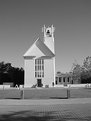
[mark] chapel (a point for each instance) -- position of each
(39, 60)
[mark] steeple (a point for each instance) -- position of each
(48, 31)
(49, 37)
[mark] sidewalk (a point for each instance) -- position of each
(46, 110)
(44, 101)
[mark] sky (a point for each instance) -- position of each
(21, 23)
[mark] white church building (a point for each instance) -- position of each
(39, 60)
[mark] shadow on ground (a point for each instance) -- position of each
(26, 116)
(39, 116)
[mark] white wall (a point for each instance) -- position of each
(48, 72)
(29, 73)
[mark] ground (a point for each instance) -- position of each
(78, 109)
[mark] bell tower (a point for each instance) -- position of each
(49, 37)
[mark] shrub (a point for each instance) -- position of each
(46, 86)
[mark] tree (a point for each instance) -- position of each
(86, 72)
(11, 74)
(18, 76)
(87, 63)
(4, 68)
(58, 72)
(76, 73)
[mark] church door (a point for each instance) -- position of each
(39, 82)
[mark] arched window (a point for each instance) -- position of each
(39, 68)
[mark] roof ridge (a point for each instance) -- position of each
(43, 44)
(42, 47)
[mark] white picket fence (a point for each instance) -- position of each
(74, 86)
(9, 87)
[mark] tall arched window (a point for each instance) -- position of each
(39, 68)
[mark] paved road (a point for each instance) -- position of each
(46, 110)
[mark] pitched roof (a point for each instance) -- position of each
(41, 47)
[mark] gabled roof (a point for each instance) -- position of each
(38, 47)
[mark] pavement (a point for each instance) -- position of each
(77, 109)
(44, 101)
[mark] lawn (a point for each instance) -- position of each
(10, 93)
(45, 93)
(80, 93)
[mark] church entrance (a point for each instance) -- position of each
(39, 82)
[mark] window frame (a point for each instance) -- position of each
(39, 68)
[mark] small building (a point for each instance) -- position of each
(63, 79)
(39, 61)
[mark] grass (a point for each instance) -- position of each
(45, 93)
(10, 93)
(80, 93)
